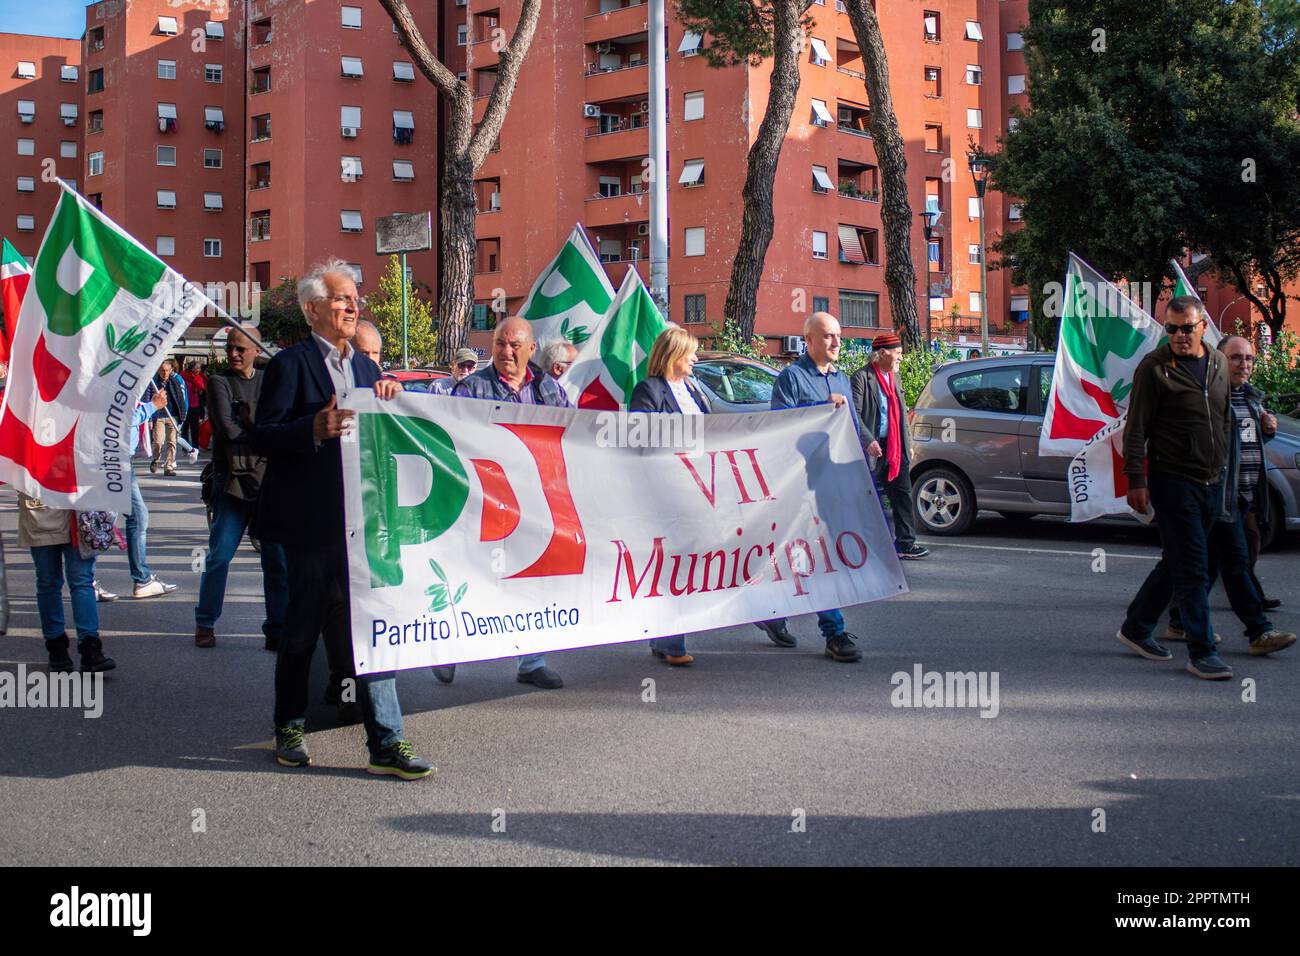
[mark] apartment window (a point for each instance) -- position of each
(1019, 308)
(262, 32)
(95, 81)
(934, 253)
(350, 168)
(1015, 41)
(403, 127)
(857, 245)
(97, 200)
(973, 253)
(214, 118)
(166, 69)
(26, 184)
(350, 117)
(609, 186)
(68, 74)
(932, 81)
(350, 17)
(462, 34)
(212, 202)
(819, 245)
(212, 159)
(213, 73)
(165, 245)
(262, 80)
(933, 138)
(693, 309)
(975, 303)
(403, 72)
(165, 155)
(821, 116)
(695, 241)
(821, 303)
(95, 37)
(26, 111)
(693, 106)
(212, 248)
(215, 30)
(973, 30)
(27, 147)
(974, 118)
(860, 310)
(68, 149)
(261, 127)
(26, 70)
(1016, 83)
(690, 44)
(974, 74)
(68, 113)
(166, 117)
(167, 26)
(166, 199)
(931, 21)
(261, 176)
(973, 207)
(95, 121)
(1015, 211)
(72, 184)
(821, 180)
(351, 66)
(692, 173)
(819, 54)
(259, 225)
(403, 170)
(94, 164)
(350, 220)
(26, 223)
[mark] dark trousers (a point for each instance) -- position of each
(318, 601)
(190, 428)
(899, 495)
(1230, 559)
(1185, 514)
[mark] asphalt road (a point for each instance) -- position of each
(720, 769)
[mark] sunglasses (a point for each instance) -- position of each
(469, 366)
(1174, 329)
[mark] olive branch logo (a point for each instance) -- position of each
(577, 335)
(121, 347)
(439, 591)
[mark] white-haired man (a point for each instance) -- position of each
(368, 341)
(556, 357)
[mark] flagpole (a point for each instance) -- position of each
(658, 95)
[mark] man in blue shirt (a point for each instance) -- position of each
(813, 379)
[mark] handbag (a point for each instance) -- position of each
(95, 532)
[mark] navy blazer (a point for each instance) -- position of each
(301, 501)
(654, 395)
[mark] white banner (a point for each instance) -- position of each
(480, 530)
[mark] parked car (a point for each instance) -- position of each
(735, 383)
(975, 431)
(416, 379)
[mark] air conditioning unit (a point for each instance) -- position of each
(590, 111)
(645, 106)
(792, 345)
(349, 132)
(643, 229)
(604, 48)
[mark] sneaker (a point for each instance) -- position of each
(400, 760)
(842, 648)
(1148, 648)
(204, 636)
(776, 631)
(1178, 634)
(1271, 641)
(60, 659)
(290, 747)
(1210, 668)
(153, 467)
(1272, 604)
(153, 588)
(102, 596)
(913, 552)
(542, 677)
(92, 656)
(445, 674)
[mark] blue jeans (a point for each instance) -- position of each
(672, 646)
(1230, 558)
(830, 622)
(530, 663)
(1185, 514)
(137, 526)
(230, 517)
(51, 560)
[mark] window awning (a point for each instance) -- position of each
(851, 244)
(821, 112)
(27, 107)
(26, 69)
(350, 166)
(167, 25)
(403, 169)
(67, 72)
(166, 110)
(352, 66)
(350, 116)
(215, 29)
(1020, 303)
(691, 41)
(692, 172)
(213, 201)
(973, 30)
(166, 197)
(403, 71)
(213, 114)
(68, 110)
(350, 219)
(821, 178)
(931, 25)
(819, 50)
(403, 119)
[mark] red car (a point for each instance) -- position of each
(416, 379)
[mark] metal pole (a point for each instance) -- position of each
(984, 286)
(658, 94)
(406, 359)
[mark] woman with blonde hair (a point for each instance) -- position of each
(669, 388)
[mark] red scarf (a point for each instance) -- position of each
(894, 443)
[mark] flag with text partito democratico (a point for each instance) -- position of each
(480, 530)
(100, 315)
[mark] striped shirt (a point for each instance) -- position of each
(1251, 445)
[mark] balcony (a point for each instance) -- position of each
(616, 210)
(616, 144)
(610, 25)
(616, 270)
(616, 84)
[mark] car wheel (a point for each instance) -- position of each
(944, 502)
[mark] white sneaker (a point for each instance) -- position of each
(153, 588)
(102, 595)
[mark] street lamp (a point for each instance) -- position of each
(979, 172)
(929, 220)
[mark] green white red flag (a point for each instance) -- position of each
(102, 315)
(14, 276)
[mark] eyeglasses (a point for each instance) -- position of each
(1174, 329)
(467, 366)
(355, 301)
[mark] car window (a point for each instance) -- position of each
(738, 383)
(1045, 383)
(993, 390)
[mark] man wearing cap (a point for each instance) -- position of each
(465, 364)
(882, 409)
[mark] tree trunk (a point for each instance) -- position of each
(757, 222)
(895, 210)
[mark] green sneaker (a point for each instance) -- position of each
(290, 747)
(399, 760)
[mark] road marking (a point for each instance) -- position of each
(1082, 554)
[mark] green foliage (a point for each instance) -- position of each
(385, 310)
(728, 338)
(1277, 373)
(918, 365)
(738, 31)
(280, 319)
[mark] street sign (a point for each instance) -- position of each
(403, 232)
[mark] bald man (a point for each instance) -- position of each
(813, 379)
(514, 377)
(368, 341)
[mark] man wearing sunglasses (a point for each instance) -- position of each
(1176, 447)
(465, 364)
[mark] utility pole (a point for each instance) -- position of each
(658, 163)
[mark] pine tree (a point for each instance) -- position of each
(384, 308)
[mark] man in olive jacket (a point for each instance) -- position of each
(1176, 447)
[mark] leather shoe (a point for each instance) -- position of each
(542, 677)
(777, 632)
(204, 636)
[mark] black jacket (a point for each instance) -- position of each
(654, 395)
(868, 398)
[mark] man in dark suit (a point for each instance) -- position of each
(298, 429)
